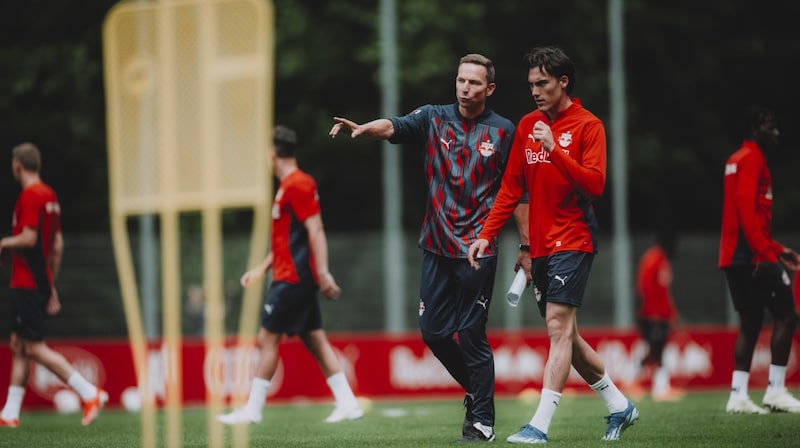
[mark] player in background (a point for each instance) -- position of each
(796, 291)
(755, 265)
(559, 154)
(466, 147)
(299, 263)
(656, 313)
(36, 247)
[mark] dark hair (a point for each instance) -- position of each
(479, 59)
(752, 118)
(28, 155)
(667, 239)
(285, 141)
(553, 61)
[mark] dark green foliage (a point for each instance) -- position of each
(688, 75)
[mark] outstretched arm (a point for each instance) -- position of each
(380, 129)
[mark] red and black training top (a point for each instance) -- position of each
(37, 207)
(464, 163)
(295, 201)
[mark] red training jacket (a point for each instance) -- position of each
(561, 184)
(747, 210)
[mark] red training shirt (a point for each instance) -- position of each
(296, 200)
(653, 286)
(38, 208)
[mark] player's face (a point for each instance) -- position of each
(549, 92)
(768, 133)
(472, 87)
(16, 168)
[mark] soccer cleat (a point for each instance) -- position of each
(239, 417)
(781, 401)
(618, 422)
(342, 414)
(478, 432)
(468, 401)
(527, 434)
(10, 423)
(91, 408)
(743, 406)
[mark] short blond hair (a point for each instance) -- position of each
(29, 156)
(479, 59)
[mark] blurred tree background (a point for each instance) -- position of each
(689, 73)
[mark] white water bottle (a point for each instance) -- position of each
(517, 286)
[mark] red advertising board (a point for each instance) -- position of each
(383, 365)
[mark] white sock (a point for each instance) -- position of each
(548, 402)
(258, 395)
(777, 378)
(660, 381)
(85, 389)
(739, 381)
(13, 403)
(615, 400)
(341, 391)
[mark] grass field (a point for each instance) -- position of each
(698, 420)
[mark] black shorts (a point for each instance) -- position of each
(561, 277)
(771, 288)
(291, 309)
(29, 313)
(655, 332)
(453, 295)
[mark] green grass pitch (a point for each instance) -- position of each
(698, 420)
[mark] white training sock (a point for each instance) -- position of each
(258, 395)
(608, 391)
(548, 402)
(341, 391)
(85, 389)
(13, 403)
(777, 378)
(739, 381)
(660, 381)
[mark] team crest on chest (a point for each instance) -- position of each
(487, 148)
(565, 139)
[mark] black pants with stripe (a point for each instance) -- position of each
(453, 311)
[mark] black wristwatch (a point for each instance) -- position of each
(525, 247)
